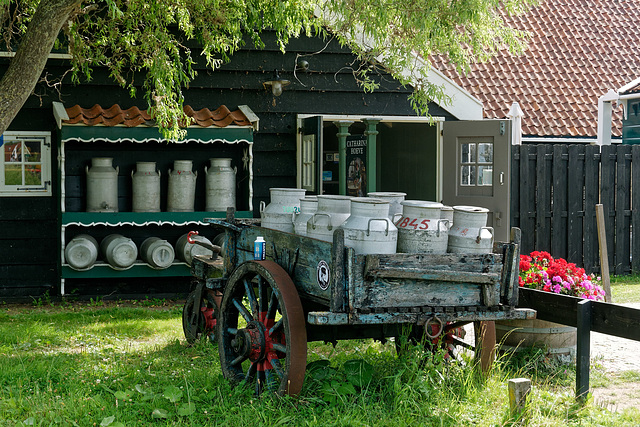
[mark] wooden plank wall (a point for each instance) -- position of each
(553, 196)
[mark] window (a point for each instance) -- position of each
(476, 164)
(25, 167)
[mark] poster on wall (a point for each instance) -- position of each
(356, 164)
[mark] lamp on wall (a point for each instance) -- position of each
(277, 84)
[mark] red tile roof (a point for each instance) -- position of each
(131, 117)
(579, 49)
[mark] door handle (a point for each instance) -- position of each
(501, 178)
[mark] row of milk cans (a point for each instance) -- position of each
(120, 252)
(102, 186)
(382, 223)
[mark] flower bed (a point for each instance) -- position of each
(540, 270)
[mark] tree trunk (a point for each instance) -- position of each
(31, 57)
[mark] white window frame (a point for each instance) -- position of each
(45, 162)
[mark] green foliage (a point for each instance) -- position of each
(148, 43)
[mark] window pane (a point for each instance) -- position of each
(13, 152)
(485, 175)
(468, 176)
(485, 153)
(32, 151)
(32, 175)
(468, 153)
(12, 174)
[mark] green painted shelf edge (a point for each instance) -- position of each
(143, 218)
(138, 269)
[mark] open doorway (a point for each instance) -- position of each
(407, 157)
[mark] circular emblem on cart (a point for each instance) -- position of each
(322, 275)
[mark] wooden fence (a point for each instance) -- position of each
(554, 191)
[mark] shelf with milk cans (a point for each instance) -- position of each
(149, 235)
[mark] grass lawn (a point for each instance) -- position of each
(115, 364)
(625, 289)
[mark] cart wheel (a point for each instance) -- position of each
(263, 339)
(199, 321)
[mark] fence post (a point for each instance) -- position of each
(604, 257)
(583, 349)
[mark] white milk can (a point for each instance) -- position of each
(220, 185)
(420, 229)
(395, 202)
(182, 187)
(469, 233)
(308, 206)
(102, 185)
(368, 230)
(285, 202)
(146, 187)
(447, 213)
(156, 252)
(186, 251)
(332, 212)
(81, 252)
(119, 251)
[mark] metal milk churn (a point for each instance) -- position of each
(102, 185)
(368, 230)
(119, 251)
(308, 206)
(81, 252)
(420, 229)
(332, 212)
(220, 185)
(156, 252)
(395, 202)
(447, 213)
(186, 251)
(285, 202)
(469, 233)
(182, 187)
(146, 187)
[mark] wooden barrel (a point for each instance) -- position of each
(518, 334)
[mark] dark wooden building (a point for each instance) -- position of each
(267, 145)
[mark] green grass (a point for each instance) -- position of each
(625, 289)
(100, 364)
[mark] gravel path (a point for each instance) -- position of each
(616, 354)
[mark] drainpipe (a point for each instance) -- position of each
(516, 114)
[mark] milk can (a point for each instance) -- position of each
(119, 251)
(220, 185)
(81, 252)
(447, 213)
(156, 252)
(395, 202)
(285, 202)
(469, 233)
(332, 212)
(420, 229)
(186, 251)
(146, 187)
(308, 206)
(368, 230)
(102, 185)
(182, 187)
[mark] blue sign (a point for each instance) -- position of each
(1, 140)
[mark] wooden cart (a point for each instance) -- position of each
(263, 313)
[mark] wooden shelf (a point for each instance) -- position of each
(138, 269)
(89, 219)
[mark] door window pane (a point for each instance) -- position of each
(476, 164)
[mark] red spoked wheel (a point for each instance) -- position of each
(199, 320)
(261, 329)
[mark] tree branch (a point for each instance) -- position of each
(31, 57)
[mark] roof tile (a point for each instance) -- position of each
(578, 50)
(132, 117)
